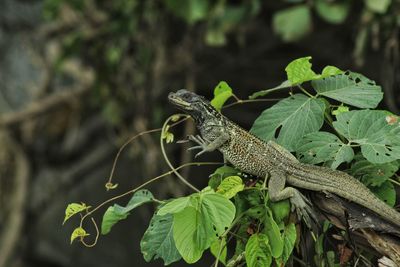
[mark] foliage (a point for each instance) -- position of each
(236, 208)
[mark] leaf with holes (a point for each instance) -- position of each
(296, 115)
(274, 235)
(78, 232)
(386, 192)
(323, 147)
(299, 71)
(196, 227)
(258, 251)
(222, 93)
(230, 186)
(372, 174)
(158, 242)
(116, 213)
(379, 139)
(350, 88)
(289, 240)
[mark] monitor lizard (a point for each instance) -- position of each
(252, 155)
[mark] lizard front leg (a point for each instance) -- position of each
(208, 146)
(277, 191)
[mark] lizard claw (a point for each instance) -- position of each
(303, 208)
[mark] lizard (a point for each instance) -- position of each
(285, 173)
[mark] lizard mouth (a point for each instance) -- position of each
(179, 102)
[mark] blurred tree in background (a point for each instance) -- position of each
(78, 78)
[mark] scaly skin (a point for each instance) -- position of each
(250, 154)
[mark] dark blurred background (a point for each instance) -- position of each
(79, 78)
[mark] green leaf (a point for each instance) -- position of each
(258, 251)
(220, 174)
(73, 209)
(283, 85)
(289, 239)
(340, 109)
(299, 71)
(177, 205)
(332, 12)
(378, 6)
(386, 192)
(222, 93)
(379, 139)
(230, 186)
(196, 227)
(280, 209)
(189, 10)
(324, 147)
(330, 71)
(372, 174)
(297, 116)
(158, 242)
(218, 247)
(117, 213)
(350, 88)
(78, 232)
(274, 236)
(167, 135)
(292, 23)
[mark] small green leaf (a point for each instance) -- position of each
(78, 232)
(289, 239)
(292, 23)
(379, 139)
(296, 116)
(280, 209)
(258, 251)
(283, 85)
(332, 12)
(340, 109)
(299, 71)
(73, 209)
(350, 88)
(222, 93)
(324, 147)
(386, 192)
(220, 174)
(116, 213)
(167, 135)
(158, 242)
(378, 6)
(230, 186)
(274, 236)
(218, 248)
(372, 174)
(330, 71)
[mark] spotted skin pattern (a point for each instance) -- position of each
(252, 155)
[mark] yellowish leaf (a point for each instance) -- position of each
(78, 232)
(73, 209)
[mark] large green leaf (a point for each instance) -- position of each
(292, 23)
(196, 227)
(333, 12)
(158, 242)
(220, 174)
(177, 205)
(116, 213)
(350, 88)
(297, 116)
(323, 147)
(258, 251)
(379, 138)
(373, 174)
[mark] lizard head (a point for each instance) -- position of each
(196, 106)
